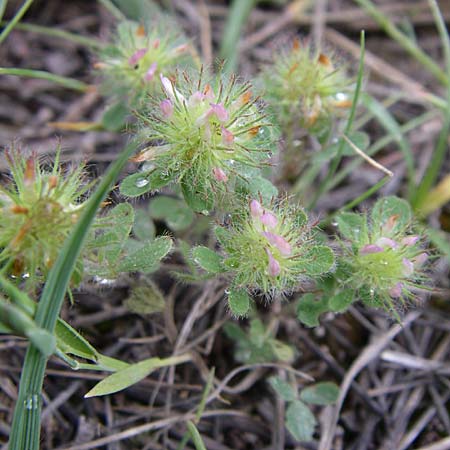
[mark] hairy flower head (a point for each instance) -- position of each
(38, 209)
(132, 64)
(384, 261)
(306, 87)
(273, 249)
(204, 136)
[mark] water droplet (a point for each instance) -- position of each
(340, 96)
(32, 402)
(147, 167)
(205, 212)
(141, 182)
(226, 291)
(25, 276)
(335, 224)
(231, 162)
(372, 292)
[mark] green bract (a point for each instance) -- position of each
(38, 209)
(305, 87)
(202, 137)
(131, 65)
(272, 251)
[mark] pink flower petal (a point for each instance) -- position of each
(408, 267)
(196, 98)
(387, 243)
(220, 112)
(227, 137)
(420, 259)
(256, 210)
(137, 56)
(166, 107)
(151, 72)
(156, 44)
(396, 291)
(220, 175)
(269, 220)
(370, 248)
(274, 268)
(168, 86)
(410, 240)
(279, 242)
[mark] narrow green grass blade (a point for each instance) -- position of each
(195, 436)
(324, 187)
(69, 83)
(3, 4)
(25, 429)
(23, 9)
(389, 123)
(410, 46)
(433, 169)
(237, 16)
(55, 32)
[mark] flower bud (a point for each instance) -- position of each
(137, 56)
(166, 107)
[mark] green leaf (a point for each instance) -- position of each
(360, 139)
(309, 309)
(281, 351)
(283, 389)
(132, 374)
(147, 258)
(341, 301)
(174, 211)
(317, 260)
(239, 302)
(353, 227)
(146, 299)
(207, 259)
(325, 393)
(143, 228)
(197, 196)
(142, 182)
(114, 118)
(71, 342)
(388, 207)
(300, 421)
(195, 436)
(259, 186)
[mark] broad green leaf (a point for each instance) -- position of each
(147, 258)
(114, 118)
(223, 236)
(234, 332)
(282, 351)
(393, 213)
(259, 186)
(300, 421)
(325, 393)
(359, 138)
(309, 309)
(71, 342)
(283, 389)
(132, 374)
(143, 228)
(142, 182)
(317, 261)
(239, 302)
(301, 219)
(207, 259)
(341, 301)
(173, 210)
(353, 227)
(146, 299)
(197, 196)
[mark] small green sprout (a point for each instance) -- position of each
(132, 64)
(306, 87)
(38, 209)
(273, 250)
(204, 138)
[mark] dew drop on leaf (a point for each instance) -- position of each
(141, 182)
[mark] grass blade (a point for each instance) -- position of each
(23, 9)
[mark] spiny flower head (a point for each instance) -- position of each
(273, 249)
(205, 136)
(38, 208)
(131, 66)
(306, 87)
(385, 261)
